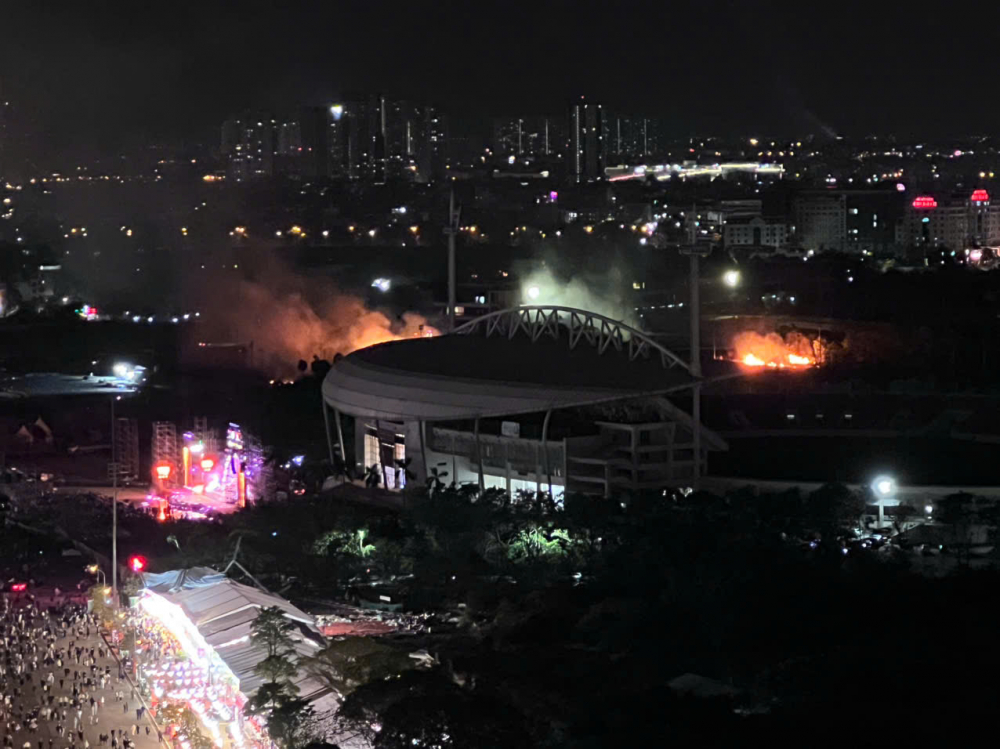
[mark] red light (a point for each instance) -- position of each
(162, 472)
(138, 564)
(19, 587)
(207, 464)
(924, 202)
(980, 194)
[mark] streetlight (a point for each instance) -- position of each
(731, 278)
(884, 488)
(94, 569)
(533, 292)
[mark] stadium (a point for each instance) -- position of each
(533, 398)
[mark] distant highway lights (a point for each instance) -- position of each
(731, 278)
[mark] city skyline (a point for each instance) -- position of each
(84, 81)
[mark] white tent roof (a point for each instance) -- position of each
(205, 604)
(222, 610)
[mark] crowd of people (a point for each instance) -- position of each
(52, 686)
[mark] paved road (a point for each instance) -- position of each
(112, 716)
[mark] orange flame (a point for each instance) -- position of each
(774, 352)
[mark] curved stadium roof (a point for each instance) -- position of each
(475, 376)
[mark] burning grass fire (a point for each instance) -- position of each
(793, 351)
(752, 360)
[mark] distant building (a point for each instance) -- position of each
(432, 151)
(377, 139)
(754, 232)
(632, 138)
(956, 222)
(725, 211)
(850, 220)
(336, 143)
(528, 136)
(249, 142)
(872, 217)
(508, 136)
(313, 156)
(289, 138)
(363, 136)
(399, 127)
(820, 221)
(587, 151)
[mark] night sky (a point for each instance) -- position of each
(99, 76)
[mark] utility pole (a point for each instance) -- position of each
(694, 303)
(114, 508)
(451, 230)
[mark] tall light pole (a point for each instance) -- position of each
(884, 488)
(114, 507)
(451, 230)
(693, 251)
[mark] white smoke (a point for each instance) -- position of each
(605, 295)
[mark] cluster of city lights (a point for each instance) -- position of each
(150, 319)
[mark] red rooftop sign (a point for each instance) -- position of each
(924, 202)
(980, 194)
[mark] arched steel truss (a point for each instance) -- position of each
(601, 332)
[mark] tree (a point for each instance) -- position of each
(435, 481)
(319, 367)
(427, 709)
(289, 717)
(346, 543)
(373, 476)
(959, 511)
(833, 508)
(273, 631)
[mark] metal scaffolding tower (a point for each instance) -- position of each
(126, 450)
(165, 442)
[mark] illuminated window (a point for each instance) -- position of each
(371, 448)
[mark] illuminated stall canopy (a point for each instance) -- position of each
(210, 615)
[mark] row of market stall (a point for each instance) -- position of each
(194, 651)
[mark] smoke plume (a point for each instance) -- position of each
(289, 317)
(603, 295)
